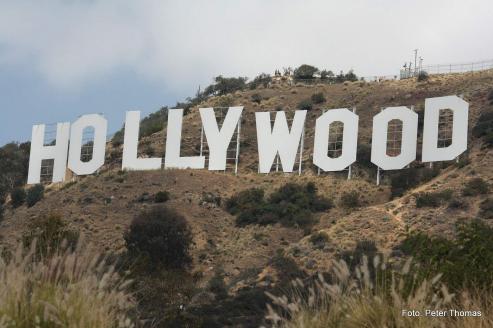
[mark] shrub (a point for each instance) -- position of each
(422, 76)
(18, 196)
(318, 98)
(287, 267)
(404, 180)
(2, 210)
(51, 234)
(319, 239)
(474, 187)
(484, 128)
(486, 209)
(262, 79)
(305, 104)
(208, 197)
(465, 261)
(291, 205)
(161, 197)
(325, 74)
(244, 200)
(225, 85)
(34, 194)
(257, 98)
(490, 96)
(70, 289)
(217, 286)
(363, 248)
(458, 203)
(160, 237)
(305, 72)
(433, 199)
(350, 199)
(14, 165)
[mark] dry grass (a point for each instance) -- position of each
(69, 289)
(361, 299)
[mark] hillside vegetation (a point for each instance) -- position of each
(202, 248)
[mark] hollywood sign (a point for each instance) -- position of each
(273, 140)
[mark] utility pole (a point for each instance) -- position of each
(415, 60)
(420, 64)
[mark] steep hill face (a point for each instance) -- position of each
(101, 207)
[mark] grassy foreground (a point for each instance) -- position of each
(73, 288)
(374, 296)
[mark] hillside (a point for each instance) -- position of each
(101, 207)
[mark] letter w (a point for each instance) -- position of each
(279, 139)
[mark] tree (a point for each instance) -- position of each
(160, 237)
(13, 167)
(305, 72)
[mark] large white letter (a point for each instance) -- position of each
(39, 152)
(350, 140)
(460, 109)
(130, 161)
(379, 154)
(173, 144)
(100, 126)
(219, 140)
(278, 139)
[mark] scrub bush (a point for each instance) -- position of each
(159, 237)
(475, 187)
(34, 194)
(17, 197)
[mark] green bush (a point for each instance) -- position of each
(34, 194)
(161, 197)
(466, 261)
(423, 76)
(244, 200)
(225, 85)
(17, 196)
(404, 180)
(486, 209)
(305, 72)
(474, 187)
(433, 199)
(305, 105)
(318, 98)
(291, 205)
(256, 98)
(159, 237)
(350, 199)
(51, 233)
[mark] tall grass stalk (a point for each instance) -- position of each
(69, 289)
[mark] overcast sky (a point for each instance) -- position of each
(61, 59)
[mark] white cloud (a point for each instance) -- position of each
(182, 43)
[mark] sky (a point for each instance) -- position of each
(60, 59)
